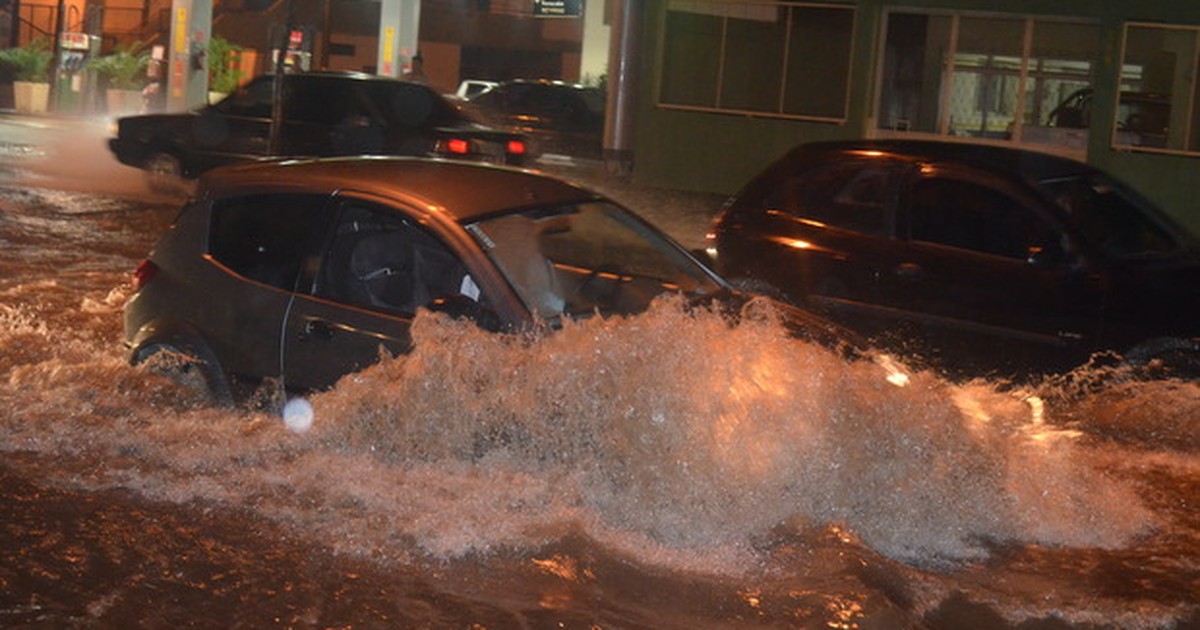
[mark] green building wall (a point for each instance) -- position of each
(718, 152)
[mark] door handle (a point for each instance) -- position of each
(317, 329)
(909, 271)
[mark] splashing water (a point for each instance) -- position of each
(670, 444)
(695, 434)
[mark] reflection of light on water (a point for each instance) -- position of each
(896, 375)
(561, 566)
(844, 613)
(970, 406)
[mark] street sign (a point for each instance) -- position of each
(74, 41)
(557, 8)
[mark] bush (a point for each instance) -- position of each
(27, 63)
(222, 76)
(125, 67)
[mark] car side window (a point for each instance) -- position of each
(267, 238)
(851, 197)
(412, 105)
(971, 216)
(1108, 219)
(379, 259)
(252, 101)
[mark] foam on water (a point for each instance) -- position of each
(671, 434)
(696, 435)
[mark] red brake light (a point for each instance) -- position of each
(458, 146)
(145, 272)
(515, 147)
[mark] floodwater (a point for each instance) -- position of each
(662, 471)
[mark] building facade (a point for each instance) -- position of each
(729, 86)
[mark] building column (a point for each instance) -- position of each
(623, 61)
(399, 21)
(187, 67)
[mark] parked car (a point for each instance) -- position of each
(976, 259)
(471, 87)
(324, 114)
(301, 270)
(1143, 118)
(559, 118)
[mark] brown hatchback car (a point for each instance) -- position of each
(976, 259)
(301, 270)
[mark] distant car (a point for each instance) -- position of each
(301, 270)
(469, 88)
(977, 259)
(324, 114)
(559, 118)
(1142, 118)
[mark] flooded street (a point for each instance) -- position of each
(663, 471)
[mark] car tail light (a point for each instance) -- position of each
(515, 147)
(145, 272)
(458, 146)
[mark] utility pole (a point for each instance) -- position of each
(281, 52)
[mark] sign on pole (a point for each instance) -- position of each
(557, 8)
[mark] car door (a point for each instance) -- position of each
(258, 245)
(377, 268)
(820, 234)
(987, 278)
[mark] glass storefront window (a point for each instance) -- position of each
(1007, 79)
(761, 59)
(1158, 108)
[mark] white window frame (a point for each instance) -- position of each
(948, 69)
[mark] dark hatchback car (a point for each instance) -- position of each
(976, 259)
(323, 113)
(559, 118)
(301, 270)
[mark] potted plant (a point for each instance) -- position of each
(224, 73)
(29, 66)
(124, 69)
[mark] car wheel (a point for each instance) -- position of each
(164, 174)
(194, 372)
(1169, 356)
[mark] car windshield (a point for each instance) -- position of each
(579, 259)
(1113, 219)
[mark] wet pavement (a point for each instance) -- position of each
(71, 153)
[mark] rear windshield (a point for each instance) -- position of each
(1114, 219)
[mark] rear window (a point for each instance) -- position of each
(333, 101)
(267, 238)
(1111, 220)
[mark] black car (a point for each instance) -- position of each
(559, 118)
(323, 113)
(301, 270)
(977, 259)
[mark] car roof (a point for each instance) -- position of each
(348, 75)
(1031, 165)
(464, 190)
(551, 83)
